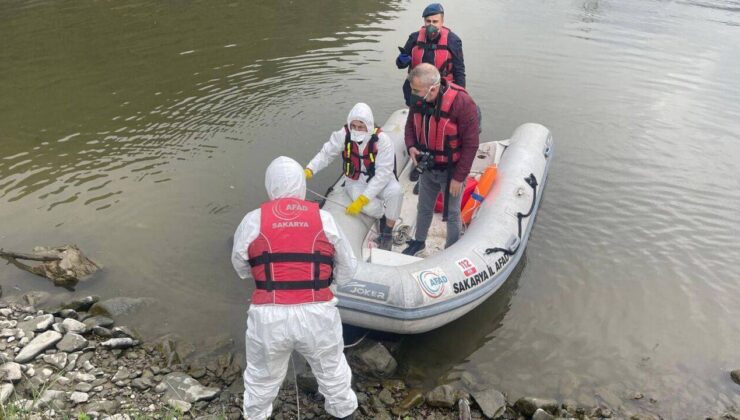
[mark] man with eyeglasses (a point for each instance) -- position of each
(442, 128)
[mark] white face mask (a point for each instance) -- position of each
(358, 136)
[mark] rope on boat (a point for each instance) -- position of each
(531, 180)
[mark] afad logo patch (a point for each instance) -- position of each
(433, 281)
(288, 209)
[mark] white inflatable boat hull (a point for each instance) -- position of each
(395, 293)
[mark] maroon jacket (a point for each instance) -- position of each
(464, 113)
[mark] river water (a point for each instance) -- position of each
(141, 130)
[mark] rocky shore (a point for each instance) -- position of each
(74, 362)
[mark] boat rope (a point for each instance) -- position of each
(295, 382)
(531, 180)
(349, 346)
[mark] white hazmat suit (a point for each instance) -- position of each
(383, 187)
(312, 329)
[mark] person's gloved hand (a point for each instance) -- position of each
(309, 173)
(356, 207)
(403, 59)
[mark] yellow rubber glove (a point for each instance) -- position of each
(309, 173)
(357, 205)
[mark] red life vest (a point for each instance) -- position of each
(292, 260)
(353, 160)
(442, 55)
(435, 131)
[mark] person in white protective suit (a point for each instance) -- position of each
(293, 251)
(368, 162)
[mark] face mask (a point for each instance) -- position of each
(358, 136)
(420, 100)
(432, 31)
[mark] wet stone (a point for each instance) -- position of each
(40, 343)
(541, 414)
(72, 342)
(414, 399)
(528, 405)
(118, 306)
(376, 360)
(179, 385)
(69, 313)
(99, 321)
(735, 375)
(491, 402)
(102, 332)
(81, 305)
(442, 396)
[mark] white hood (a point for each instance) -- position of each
(362, 112)
(285, 178)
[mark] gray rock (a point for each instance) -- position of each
(528, 405)
(119, 343)
(83, 387)
(142, 384)
(72, 342)
(386, 397)
(442, 396)
(99, 321)
(541, 414)
(6, 390)
(79, 397)
(82, 377)
(81, 305)
(40, 343)
(9, 332)
(307, 382)
(35, 297)
(122, 374)
(103, 406)
(102, 332)
(74, 326)
(179, 405)
(123, 332)
(58, 360)
(181, 386)
(491, 402)
(51, 399)
(118, 306)
(69, 313)
(38, 324)
(10, 372)
(735, 375)
(376, 360)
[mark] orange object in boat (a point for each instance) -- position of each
(484, 186)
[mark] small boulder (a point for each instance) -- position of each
(38, 324)
(376, 360)
(541, 414)
(40, 343)
(528, 405)
(74, 326)
(491, 402)
(181, 386)
(735, 375)
(118, 306)
(99, 321)
(79, 397)
(6, 390)
(72, 342)
(442, 396)
(81, 305)
(10, 372)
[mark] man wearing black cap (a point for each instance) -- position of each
(434, 44)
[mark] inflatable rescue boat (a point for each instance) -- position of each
(404, 294)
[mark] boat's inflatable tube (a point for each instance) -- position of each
(431, 292)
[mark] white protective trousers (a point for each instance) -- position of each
(312, 329)
(391, 196)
